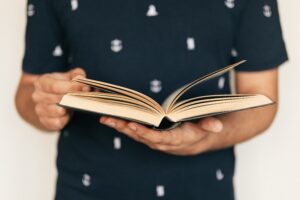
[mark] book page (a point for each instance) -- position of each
(208, 99)
(121, 90)
(116, 109)
(114, 97)
(171, 100)
(223, 106)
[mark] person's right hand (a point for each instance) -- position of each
(48, 91)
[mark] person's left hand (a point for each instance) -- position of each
(186, 139)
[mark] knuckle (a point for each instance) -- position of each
(54, 87)
(38, 109)
(60, 111)
(35, 96)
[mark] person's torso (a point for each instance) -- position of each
(153, 47)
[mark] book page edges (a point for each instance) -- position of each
(172, 98)
(121, 90)
(236, 105)
(121, 111)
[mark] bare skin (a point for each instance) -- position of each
(37, 96)
(211, 133)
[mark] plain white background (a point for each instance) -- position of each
(268, 167)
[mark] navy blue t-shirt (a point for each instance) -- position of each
(154, 47)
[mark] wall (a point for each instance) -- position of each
(268, 167)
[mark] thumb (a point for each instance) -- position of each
(76, 72)
(211, 124)
(77, 86)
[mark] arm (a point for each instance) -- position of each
(23, 100)
(37, 96)
(241, 126)
(211, 133)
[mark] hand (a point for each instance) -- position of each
(48, 91)
(187, 139)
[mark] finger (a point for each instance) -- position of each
(78, 86)
(76, 72)
(54, 124)
(46, 98)
(53, 84)
(120, 125)
(111, 121)
(188, 150)
(211, 124)
(51, 111)
(68, 76)
(149, 135)
(49, 84)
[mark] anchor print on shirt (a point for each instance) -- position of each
(155, 86)
(74, 5)
(116, 45)
(267, 11)
(58, 51)
(229, 3)
(152, 11)
(30, 10)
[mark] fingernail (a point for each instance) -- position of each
(86, 89)
(132, 127)
(111, 124)
(77, 76)
(218, 127)
(102, 119)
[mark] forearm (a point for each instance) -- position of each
(243, 125)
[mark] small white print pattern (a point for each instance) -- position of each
(221, 83)
(160, 190)
(58, 51)
(30, 10)
(229, 3)
(155, 86)
(74, 4)
(234, 53)
(267, 11)
(86, 180)
(152, 11)
(219, 175)
(190, 42)
(116, 45)
(117, 143)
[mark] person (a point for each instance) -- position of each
(153, 47)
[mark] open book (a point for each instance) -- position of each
(118, 101)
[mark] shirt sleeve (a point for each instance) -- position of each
(45, 48)
(259, 37)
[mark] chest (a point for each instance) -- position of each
(133, 42)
